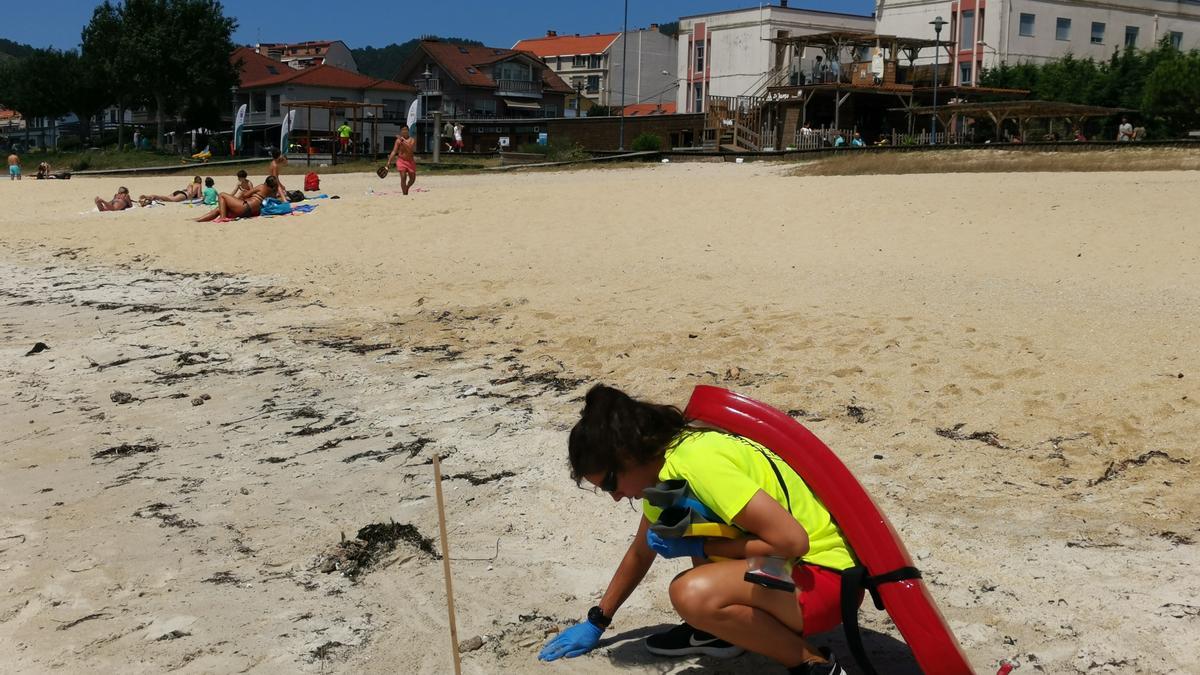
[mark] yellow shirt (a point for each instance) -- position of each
(344, 131)
(724, 471)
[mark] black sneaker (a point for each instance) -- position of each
(830, 667)
(683, 640)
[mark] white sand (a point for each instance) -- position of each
(1056, 311)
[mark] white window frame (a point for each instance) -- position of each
(1060, 24)
(1021, 24)
(1103, 28)
(1137, 33)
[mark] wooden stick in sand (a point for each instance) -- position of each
(437, 474)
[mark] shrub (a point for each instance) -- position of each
(83, 163)
(69, 143)
(647, 142)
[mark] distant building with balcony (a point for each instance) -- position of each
(990, 32)
(479, 85)
(267, 87)
(591, 65)
(300, 55)
(730, 54)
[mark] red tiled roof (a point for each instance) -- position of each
(458, 61)
(647, 109)
(568, 44)
(9, 114)
(260, 71)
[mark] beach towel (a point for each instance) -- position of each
(275, 207)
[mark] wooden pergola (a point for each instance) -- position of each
(1022, 111)
(360, 116)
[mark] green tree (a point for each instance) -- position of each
(1172, 92)
(385, 62)
(34, 88)
(172, 54)
(102, 48)
(84, 90)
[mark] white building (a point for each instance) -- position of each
(591, 64)
(990, 32)
(728, 53)
(300, 55)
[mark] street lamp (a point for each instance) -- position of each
(624, 64)
(437, 146)
(937, 24)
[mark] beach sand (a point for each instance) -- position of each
(1008, 362)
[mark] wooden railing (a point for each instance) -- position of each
(734, 120)
(518, 88)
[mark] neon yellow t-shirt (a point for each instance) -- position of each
(344, 131)
(724, 471)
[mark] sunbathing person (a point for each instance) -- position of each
(246, 206)
(244, 185)
(119, 202)
(189, 193)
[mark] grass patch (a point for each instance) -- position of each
(852, 163)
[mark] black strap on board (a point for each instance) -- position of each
(854, 582)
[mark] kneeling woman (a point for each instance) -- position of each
(624, 446)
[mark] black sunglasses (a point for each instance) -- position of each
(609, 483)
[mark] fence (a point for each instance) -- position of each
(813, 139)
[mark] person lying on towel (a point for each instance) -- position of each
(119, 202)
(195, 190)
(743, 505)
(247, 205)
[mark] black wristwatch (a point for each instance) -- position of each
(596, 618)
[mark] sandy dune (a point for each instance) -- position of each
(1007, 361)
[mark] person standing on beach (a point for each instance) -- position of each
(14, 167)
(458, 137)
(344, 132)
(406, 164)
(624, 447)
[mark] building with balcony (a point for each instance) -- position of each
(268, 87)
(989, 32)
(729, 54)
(591, 65)
(301, 55)
(482, 86)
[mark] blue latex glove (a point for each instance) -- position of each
(574, 641)
(675, 547)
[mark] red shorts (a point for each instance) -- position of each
(820, 597)
(406, 166)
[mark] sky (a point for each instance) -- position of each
(362, 23)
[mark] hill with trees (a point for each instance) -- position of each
(385, 62)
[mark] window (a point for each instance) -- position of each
(594, 61)
(700, 58)
(964, 73)
(1131, 36)
(550, 110)
(1062, 30)
(1097, 33)
(1176, 39)
(274, 105)
(272, 70)
(485, 106)
(699, 98)
(593, 84)
(514, 70)
(580, 61)
(968, 30)
(558, 63)
(1026, 29)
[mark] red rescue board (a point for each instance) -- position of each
(874, 540)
